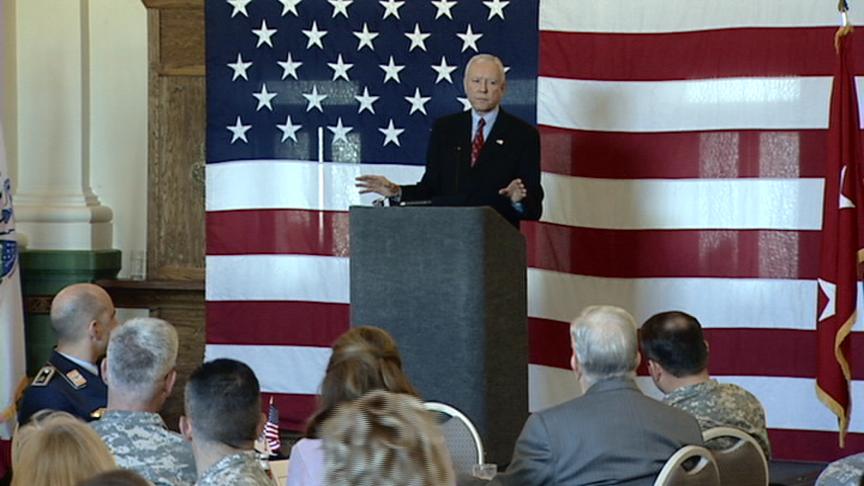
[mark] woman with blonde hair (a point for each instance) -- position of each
(364, 359)
(385, 439)
(57, 449)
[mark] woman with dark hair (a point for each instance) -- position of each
(364, 359)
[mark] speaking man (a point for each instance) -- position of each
(482, 157)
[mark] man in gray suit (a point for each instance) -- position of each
(612, 434)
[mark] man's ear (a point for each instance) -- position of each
(170, 379)
(186, 428)
(94, 330)
(655, 370)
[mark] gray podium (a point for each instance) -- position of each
(449, 284)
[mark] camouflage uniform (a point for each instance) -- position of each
(140, 441)
(722, 405)
(843, 472)
(240, 469)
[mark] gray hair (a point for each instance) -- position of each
(140, 353)
(489, 58)
(74, 307)
(604, 341)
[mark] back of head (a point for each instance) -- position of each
(117, 477)
(74, 307)
(364, 359)
(57, 449)
(385, 439)
(604, 342)
(141, 353)
(675, 341)
(223, 402)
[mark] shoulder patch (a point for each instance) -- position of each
(44, 376)
(75, 379)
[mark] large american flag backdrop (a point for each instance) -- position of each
(683, 157)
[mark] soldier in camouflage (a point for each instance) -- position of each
(843, 472)
(139, 370)
(677, 357)
(223, 419)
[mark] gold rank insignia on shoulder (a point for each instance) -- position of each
(75, 379)
(44, 376)
(98, 413)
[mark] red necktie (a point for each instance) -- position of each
(477, 144)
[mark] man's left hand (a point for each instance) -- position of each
(515, 191)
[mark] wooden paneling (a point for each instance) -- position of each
(181, 42)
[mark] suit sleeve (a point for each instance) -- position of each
(532, 461)
(429, 186)
(529, 172)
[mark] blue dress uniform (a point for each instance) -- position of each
(64, 385)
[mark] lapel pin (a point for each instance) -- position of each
(499, 141)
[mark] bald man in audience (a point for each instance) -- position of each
(223, 419)
(677, 356)
(139, 370)
(612, 434)
(83, 317)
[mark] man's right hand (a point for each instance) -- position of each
(377, 184)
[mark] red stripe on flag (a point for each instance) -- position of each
(276, 323)
(734, 351)
(704, 155)
(294, 410)
(804, 51)
(673, 253)
(811, 445)
(277, 231)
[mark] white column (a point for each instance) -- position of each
(55, 207)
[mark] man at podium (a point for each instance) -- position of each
(481, 157)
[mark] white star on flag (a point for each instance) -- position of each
(466, 105)
(366, 101)
(496, 7)
(418, 102)
(264, 34)
(238, 130)
(391, 7)
(290, 6)
(341, 7)
(314, 99)
(240, 68)
(239, 7)
(365, 37)
(391, 134)
(391, 70)
(289, 67)
(339, 132)
(469, 39)
(444, 71)
(264, 97)
(340, 69)
(315, 36)
(444, 7)
(289, 130)
(417, 38)
(830, 291)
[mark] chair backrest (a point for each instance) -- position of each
(689, 466)
(740, 460)
(463, 441)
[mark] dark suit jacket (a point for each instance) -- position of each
(511, 151)
(60, 392)
(613, 434)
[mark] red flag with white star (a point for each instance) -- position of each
(841, 244)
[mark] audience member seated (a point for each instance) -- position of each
(843, 472)
(117, 477)
(223, 419)
(82, 316)
(363, 359)
(385, 439)
(612, 434)
(57, 449)
(139, 371)
(678, 363)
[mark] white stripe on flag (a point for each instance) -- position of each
(794, 204)
(550, 386)
(645, 16)
(675, 106)
(280, 369)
